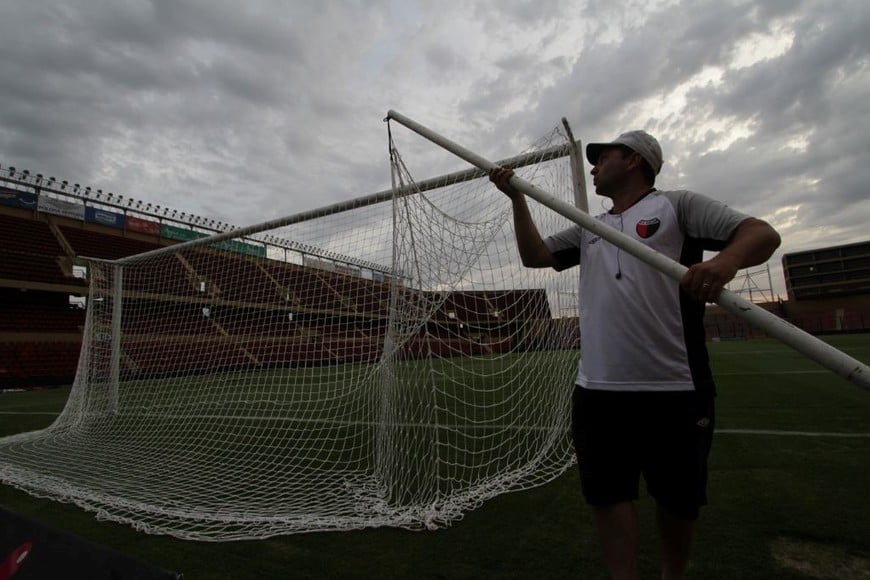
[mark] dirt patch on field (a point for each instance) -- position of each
(820, 560)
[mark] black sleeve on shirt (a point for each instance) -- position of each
(566, 258)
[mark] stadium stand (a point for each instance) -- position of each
(29, 252)
(170, 319)
(98, 245)
(159, 356)
(281, 312)
(25, 267)
(35, 311)
(28, 236)
(222, 276)
(300, 286)
(170, 277)
(38, 363)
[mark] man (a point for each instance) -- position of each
(643, 403)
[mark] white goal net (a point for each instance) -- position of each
(385, 364)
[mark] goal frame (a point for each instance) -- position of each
(831, 358)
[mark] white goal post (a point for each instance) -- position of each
(819, 351)
(381, 362)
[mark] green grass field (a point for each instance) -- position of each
(789, 498)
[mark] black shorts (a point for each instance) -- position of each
(665, 436)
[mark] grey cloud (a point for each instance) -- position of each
(815, 90)
(124, 91)
(796, 87)
(279, 105)
(818, 91)
(671, 47)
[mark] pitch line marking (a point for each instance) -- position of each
(790, 433)
(345, 423)
(766, 373)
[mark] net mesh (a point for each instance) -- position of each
(390, 365)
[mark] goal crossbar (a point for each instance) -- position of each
(522, 160)
(837, 361)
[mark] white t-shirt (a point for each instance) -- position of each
(639, 331)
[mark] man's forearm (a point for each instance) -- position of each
(753, 243)
(533, 252)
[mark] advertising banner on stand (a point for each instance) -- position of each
(180, 234)
(62, 208)
(15, 198)
(104, 217)
(143, 226)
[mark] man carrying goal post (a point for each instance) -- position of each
(643, 400)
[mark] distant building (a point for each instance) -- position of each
(828, 272)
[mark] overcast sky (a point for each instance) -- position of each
(249, 111)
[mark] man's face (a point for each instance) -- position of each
(611, 171)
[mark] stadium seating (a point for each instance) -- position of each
(168, 278)
(260, 312)
(28, 236)
(167, 319)
(108, 247)
(234, 277)
(27, 267)
(307, 288)
(18, 317)
(163, 357)
(39, 363)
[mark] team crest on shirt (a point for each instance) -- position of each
(646, 228)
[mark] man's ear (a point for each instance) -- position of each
(635, 160)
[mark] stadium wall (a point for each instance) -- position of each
(40, 333)
(823, 316)
(35, 352)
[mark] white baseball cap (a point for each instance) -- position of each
(638, 141)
